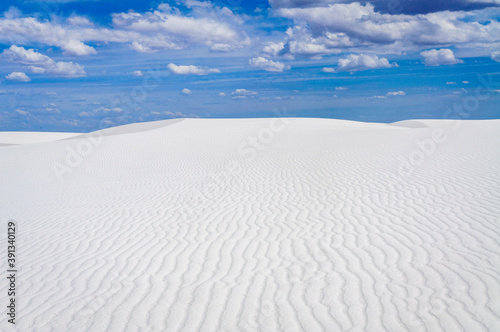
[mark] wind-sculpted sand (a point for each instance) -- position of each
(257, 225)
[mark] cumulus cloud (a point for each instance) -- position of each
(12, 12)
(397, 7)
(390, 94)
(180, 115)
(243, 92)
(51, 110)
(221, 94)
(175, 114)
(163, 28)
(495, 56)
(29, 29)
(107, 110)
(79, 20)
(18, 77)
(41, 64)
(395, 93)
(273, 49)
(330, 27)
(360, 62)
(186, 91)
(267, 65)
(191, 70)
(168, 28)
(430, 6)
(302, 43)
(194, 3)
(137, 73)
(440, 57)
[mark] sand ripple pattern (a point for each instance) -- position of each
(175, 229)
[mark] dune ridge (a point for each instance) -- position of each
(25, 137)
(291, 224)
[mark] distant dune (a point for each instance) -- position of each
(293, 224)
(23, 137)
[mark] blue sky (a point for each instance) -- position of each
(84, 65)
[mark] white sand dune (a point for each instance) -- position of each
(257, 225)
(28, 137)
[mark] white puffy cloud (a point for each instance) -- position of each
(51, 110)
(107, 110)
(396, 7)
(41, 64)
(168, 28)
(18, 77)
(273, 49)
(328, 70)
(243, 92)
(29, 29)
(355, 62)
(440, 57)
(180, 115)
(267, 65)
(327, 27)
(495, 56)
(137, 73)
(395, 93)
(390, 94)
(299, 3)
(221, 94)
(191, 70)
(164, 28)
(176, 114)
(221, 47)
(12, 12)
(79, 20)
(186, 91)
(300, 41)
(194, 3)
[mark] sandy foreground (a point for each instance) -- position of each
(254, 225)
